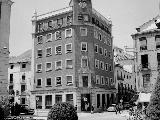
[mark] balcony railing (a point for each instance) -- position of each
(143, 67)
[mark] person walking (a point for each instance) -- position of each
(116, 108)
(92, 109)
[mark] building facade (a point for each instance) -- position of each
(146, 41)
(19, 78)
(124, 75)
(72, 58)
(5, 10)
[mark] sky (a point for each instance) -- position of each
(126, 15)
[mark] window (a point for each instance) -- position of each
(83, 46)
(11, 78)
(40, 39)
(86, 18)
(50, 24)
(95, 34)
(105, 52)
(12, 66)
(69, 20)
(48, 101)
(83, 31)
(49, 37)
(58, 65)
(23, 100)
(69, 48)
(39, 82)
(69, 64)
(38, 102)
(58, 98)
(144, 61)
(109, 55)
(23, 77)
(69, 98)
(23, 65)
(80, 17)
(84, 62)
(106, 66)
(143, 43)
(101, 50)
(48, 66)
(58, 80)
(96, 63)
(39, 53)
(48, 81)
(97, 79)
(23, 88)
(157, 38)
(99, 37)
(58, 50)
(48, 52)
(58, 35)
(111, 81)
(158, 59)
(68, 33)
(110, 68)
(96, 48)
(146, 80)
(102, 65)
(85, 80)
(69, 79)
(106, 80)
(102, 80)
(60, 22)
(39, 68)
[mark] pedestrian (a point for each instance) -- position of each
(76, 108)
(119, 108)
(92, 109)
(116, 108)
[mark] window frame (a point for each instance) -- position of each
(102, 83)
(47, 54)
(67, 80)
(40, 70)
(56, 81)
(51, 82)
(38, 41)
(97, 64)
(85, 45)
(96, 47)
(67, 67)
(38, 53)
(86, 58)
(97, 80)
(37, 82)
(49, 40)
(59, 68)
(86, 31)
(66, 48)
(56, 50)
(70, 35)
(48, 69)
(105, 66)
(60, 37)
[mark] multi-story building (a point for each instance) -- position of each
(72, 57)
(5, 10)
(125, 83)
(147, 44)
(19, 76)
(124, 75)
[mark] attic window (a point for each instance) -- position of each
(12, 66)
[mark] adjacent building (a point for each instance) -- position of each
(147, 44)
(5, 10)
(124, 75)
(19, 78)
(72, 58)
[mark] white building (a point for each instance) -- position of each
(5, 10)
(19, 76)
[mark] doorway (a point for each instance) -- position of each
(85, 102)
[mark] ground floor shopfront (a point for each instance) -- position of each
(82, 97)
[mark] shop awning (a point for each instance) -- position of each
(144, 97)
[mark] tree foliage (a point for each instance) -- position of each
(62, 111)
(153, 109)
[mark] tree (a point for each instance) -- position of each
(153, 109)
(62, 111)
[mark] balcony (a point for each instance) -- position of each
(144, 67)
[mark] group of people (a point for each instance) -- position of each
(118, 108)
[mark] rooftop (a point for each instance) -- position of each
(24, 57)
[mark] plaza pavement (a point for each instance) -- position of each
(98, 116)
